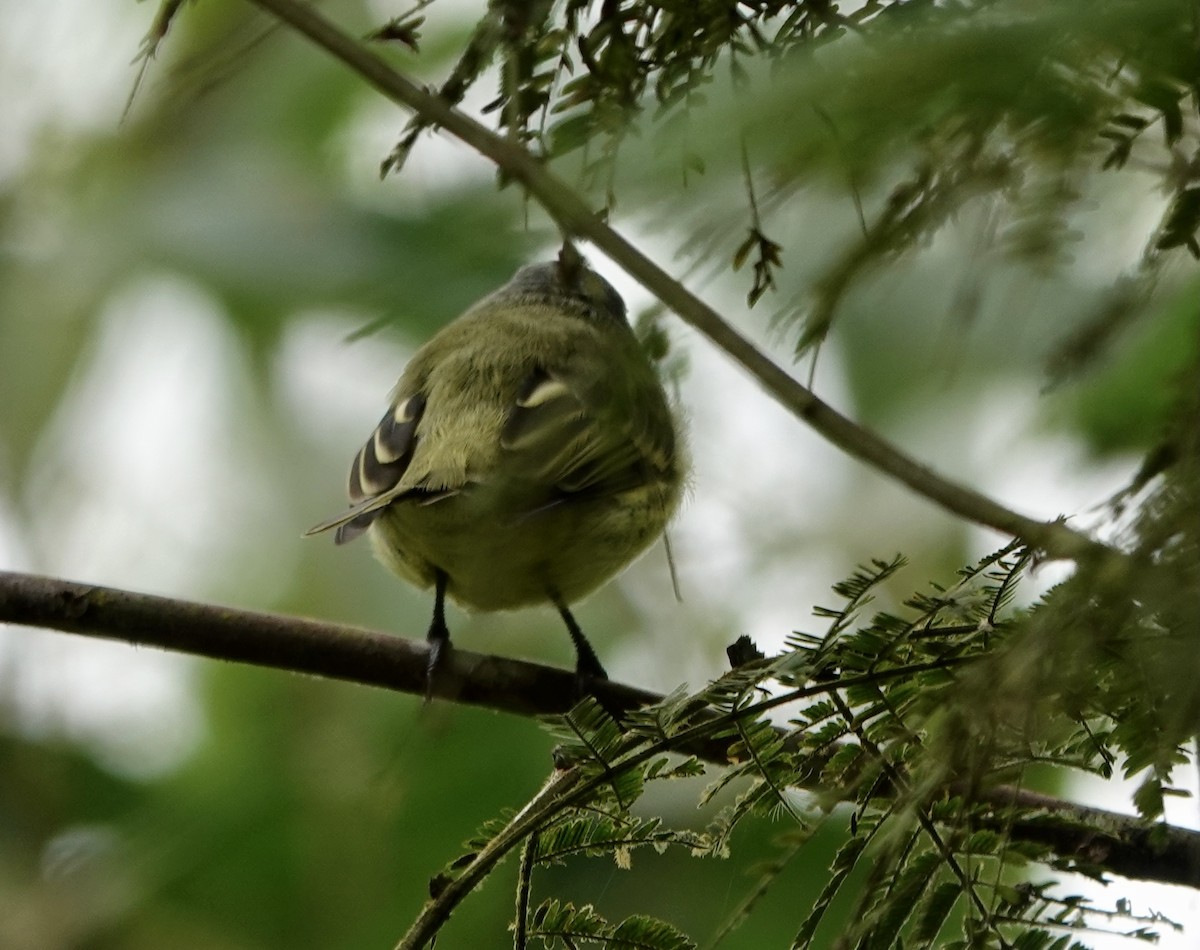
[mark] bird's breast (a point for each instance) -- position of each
(501, 552)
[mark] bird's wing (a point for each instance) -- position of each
(378, 469)
(581, 431)
(578, 429)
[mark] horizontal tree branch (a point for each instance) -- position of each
(1117, 843)
(573, 215)
(329, 650)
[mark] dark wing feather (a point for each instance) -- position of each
(378, 469)
(383, 460)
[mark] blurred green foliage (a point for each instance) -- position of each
(957, 202)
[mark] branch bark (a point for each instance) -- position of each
(333, 651)
(573, 215)
(1117, 843)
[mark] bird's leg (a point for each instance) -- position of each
(439, 634)
(587, 665)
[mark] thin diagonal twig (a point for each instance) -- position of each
(574, 216)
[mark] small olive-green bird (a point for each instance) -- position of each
(528, 455)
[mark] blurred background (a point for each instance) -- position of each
(204, 301)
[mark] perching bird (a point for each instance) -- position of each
(527, 456)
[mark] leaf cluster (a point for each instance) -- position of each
(903, 726)
(922, 114)
(577, 71)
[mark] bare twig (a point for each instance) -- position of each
(575, 217)
(1114, 842)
